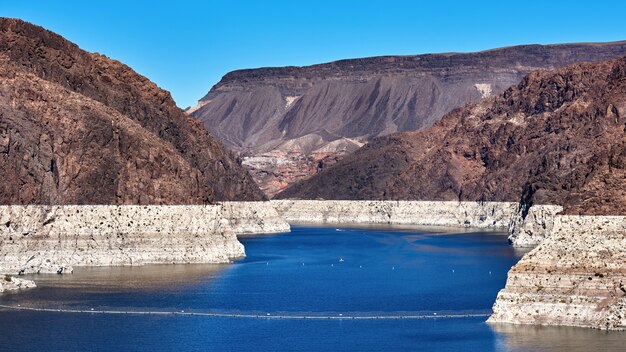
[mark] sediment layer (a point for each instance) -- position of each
(43, 239)
(575, 277)
(247, 218)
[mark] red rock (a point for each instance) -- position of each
(301, 111)
(80, 128)
(559, 137)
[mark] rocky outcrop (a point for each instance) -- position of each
(10, 283)
(80, 128)
(43, 239)
(307, 114)
(527, 227)
(556, 138)
(575, 277)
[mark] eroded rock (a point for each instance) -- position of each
(575, 277)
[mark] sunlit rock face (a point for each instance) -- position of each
(80, 128)
(575, 277)
(54, 239)
(555, 138)
(301, 120)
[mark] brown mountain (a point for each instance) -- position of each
(558, 137)
(80, 128)
(289, 123)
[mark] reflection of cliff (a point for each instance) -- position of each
(128, 278)
(523, 338)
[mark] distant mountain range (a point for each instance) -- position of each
(289, 123)
(558, 137)
(80, 128)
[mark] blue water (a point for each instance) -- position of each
(311, 271)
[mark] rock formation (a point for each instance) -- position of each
(527, 227)
(559, 137)
(10, 283)
(292, 122)
(80, 128)
(575, 277)
(54, 239)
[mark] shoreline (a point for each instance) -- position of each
(54, 239)
(594, 246)
(525, 229)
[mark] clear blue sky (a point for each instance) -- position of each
(186, 47)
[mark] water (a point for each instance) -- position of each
(314, 272)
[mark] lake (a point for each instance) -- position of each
(407, 289)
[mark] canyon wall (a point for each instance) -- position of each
(555, 138)
(81, 128)
(290, 123)
(44, 239)
(527, 227)
(575, 277)
(246, 218)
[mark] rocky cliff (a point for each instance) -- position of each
(527, 227)
(80, 128)
(44, 239)
(558, 137)
(292, 122)
(575, 277)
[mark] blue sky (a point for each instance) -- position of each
(186, 47)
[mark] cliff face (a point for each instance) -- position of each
(574, 277)
(556, 138)
(43, 239)
(80, 128)
(292, 122)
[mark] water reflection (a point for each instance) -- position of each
(529, 338)
(121, 286)
(129, 278)
(384, 272)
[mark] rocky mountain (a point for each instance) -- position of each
(80, 128)
(289, 123)
(558, 137)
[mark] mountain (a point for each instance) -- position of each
(558, 137)
(289, 123)
(80, 128)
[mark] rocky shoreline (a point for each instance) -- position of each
(54, 239)
(526, 227)
(575, 277)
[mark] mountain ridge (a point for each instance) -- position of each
(92, 147)
(288, 117)
(558, 137)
